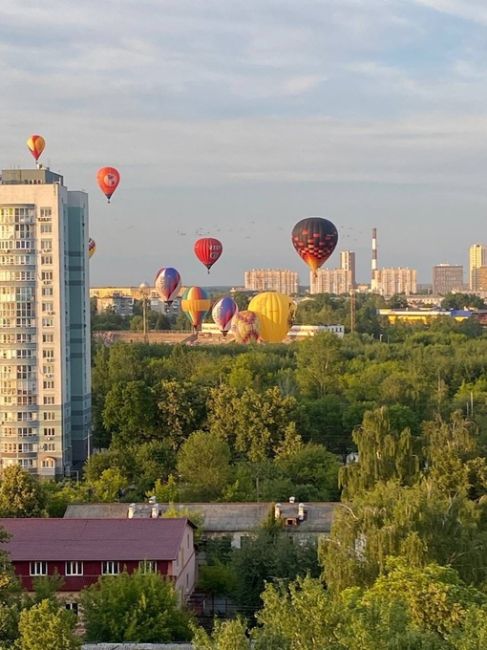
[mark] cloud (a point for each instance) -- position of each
(470, 10)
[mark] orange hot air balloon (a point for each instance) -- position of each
(36, 145)
(108, 179)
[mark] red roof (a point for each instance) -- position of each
(93, 539)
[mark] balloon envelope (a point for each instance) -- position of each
(167, 283)
(223, 312)
(195, 303)
(108, 179)
(245, 327)
(91, 247)
(208, 250)
(314, 239)
(275, 312)
(36, 145)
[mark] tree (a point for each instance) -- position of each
(319, 363)
(20, 494)
(130, 411)
(140, 608)
(204, 465)
(109, 486)
(46, 626)
(254, 424)
(226, 635)
(181, 408)
(10, 598)
(313, 471)
(462, 301)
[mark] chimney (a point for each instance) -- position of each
(131, 511)
(374, 251)
(277, 511)
(292, 499)
(301, 512)
(155, 511)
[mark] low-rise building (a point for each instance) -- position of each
(281, 280)
(81, 550)
(234, 520)
(116, 303)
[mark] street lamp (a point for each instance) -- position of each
(144, 292)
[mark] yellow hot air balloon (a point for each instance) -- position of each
(36, 145)
(276, 314)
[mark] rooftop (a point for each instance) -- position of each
(93, 539)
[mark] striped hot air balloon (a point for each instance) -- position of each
(195, 303)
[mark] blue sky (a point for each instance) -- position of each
(238, 118)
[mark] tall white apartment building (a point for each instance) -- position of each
(477, 257)
(45, 380)
(347, 262)
(390, 281)
(336, 281)
(280, 280)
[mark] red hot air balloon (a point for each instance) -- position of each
(108, 179)
(208, 250)
(315, 240)
(36, 144)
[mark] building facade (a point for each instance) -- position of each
(45, 376)
(336, 281)
(280, 280)
(82, 550)
(477, 257)
(447, 278)
(347, 262)
(390, 281)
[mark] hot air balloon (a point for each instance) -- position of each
(315, 240)
(36, 144)
(223, 312)
(108, 179)
(208, 250)
(245, 327)
(167, 283)
(275, 312)
(91, 247)
(195, 303)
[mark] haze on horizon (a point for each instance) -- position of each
(237, 119)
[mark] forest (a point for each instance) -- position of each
(389, 423)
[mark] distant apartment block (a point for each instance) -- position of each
(280, 280)
(336, 281)
(347, 262)
(480, 279)
(390, 281)
(477, 257)
(447, 278)
(116, 303)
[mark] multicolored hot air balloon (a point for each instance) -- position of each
(167, 283)
(208, 250)
(245, 327)
(91, 247)
(108, 179)
(314, 239)
(36, 145)
(223, 312)
(276, 313)
(195, 303)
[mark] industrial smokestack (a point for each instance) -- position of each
(374, 251)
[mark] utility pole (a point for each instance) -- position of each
(352, 309)
(144, 292)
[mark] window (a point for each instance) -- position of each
(49, 431)
(46, 275)
(47, 338)
(48, 399)
(48, 384)
(38, 568)
(74, 568)
(46, 227)
(148, 566)
(110, 568)
(46, 214)
(72, 607)
(46, 259)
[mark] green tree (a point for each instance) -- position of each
(138, 608)
(20, 494)
(254, 424)
(130, 411)
(204, 465)
(226, 635)
(47, 626)
(181, 408)
(319, 364)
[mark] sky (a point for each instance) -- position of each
(237, 118)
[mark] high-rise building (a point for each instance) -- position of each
(477, 257)
(45, 381)
(388, 282)
(447, 278)
(280, 280)
(347, 262)
(336, 281)
(480, 277)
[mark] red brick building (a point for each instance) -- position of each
(82, 550)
